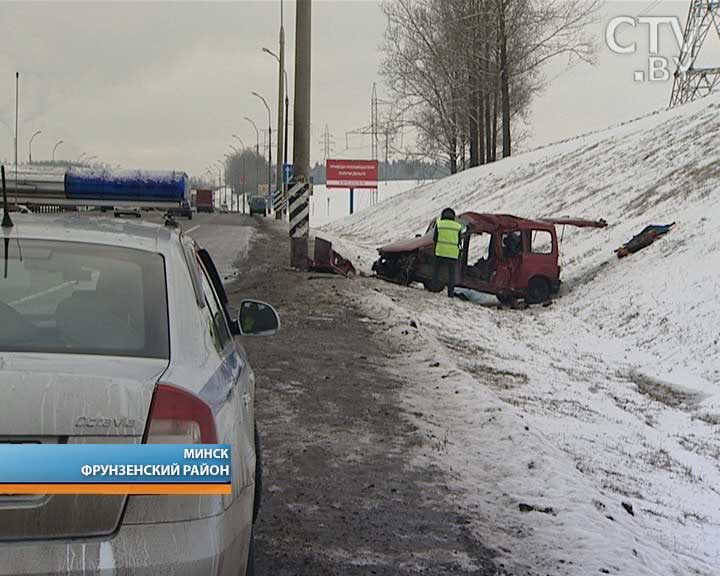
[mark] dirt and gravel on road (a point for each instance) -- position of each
(341, 492)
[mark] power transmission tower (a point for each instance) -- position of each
(374, 121)
(692, 81)
(383, 125)
(327, 143)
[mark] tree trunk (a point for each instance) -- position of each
(488, 94)
(504, 82)
(494, 127)
(474, 85)
(481, 128)
(453, 162)
(453, 154)
(474, 139)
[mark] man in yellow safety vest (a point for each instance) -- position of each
(447, 248)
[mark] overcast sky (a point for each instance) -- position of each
(165, 85)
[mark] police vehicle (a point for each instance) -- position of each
(117, 331)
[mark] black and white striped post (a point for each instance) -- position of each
(299, 211)
(278, 201)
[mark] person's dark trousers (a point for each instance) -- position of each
(449, 264)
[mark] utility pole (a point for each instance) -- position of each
(299, 210)
(285, 141)
(281, 96)
(17, 94)
(691, 81)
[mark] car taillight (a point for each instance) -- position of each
(179, 417)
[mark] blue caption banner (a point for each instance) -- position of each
(115, 463)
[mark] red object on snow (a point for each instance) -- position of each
(520, 260)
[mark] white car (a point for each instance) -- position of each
(118, 332)
(134, 212)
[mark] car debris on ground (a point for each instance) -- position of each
(325, 259)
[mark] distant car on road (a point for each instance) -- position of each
(135, 212)
(258, 205)
(182, 211)
(204, 200)
(127, 324)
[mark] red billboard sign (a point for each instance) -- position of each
(351, 173)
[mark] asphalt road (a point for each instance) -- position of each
(341, 492)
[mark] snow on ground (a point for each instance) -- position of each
(618, 381)
(328, 205)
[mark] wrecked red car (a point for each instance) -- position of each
(511, 257)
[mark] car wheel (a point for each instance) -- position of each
(504, 299)
(538, 291)
(250, 564)
(434, 288)
(258, 477)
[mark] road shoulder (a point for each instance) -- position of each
(344, 491)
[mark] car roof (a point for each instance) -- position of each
(495, 222)
(92, 229)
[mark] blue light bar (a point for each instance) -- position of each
(126, 186)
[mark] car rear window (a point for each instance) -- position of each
(76, 298)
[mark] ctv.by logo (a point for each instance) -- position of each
(659, 68)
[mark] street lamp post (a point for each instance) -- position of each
(226, 167)
(220, 179)
(282, 140)
(239, 140)
(241, 178)
(269, 147)
(244, 172)
(38, 132)
(55, 148)
(257, 150)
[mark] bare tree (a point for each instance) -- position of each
(462, 69)
(245, 172)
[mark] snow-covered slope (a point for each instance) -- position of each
(622, 373)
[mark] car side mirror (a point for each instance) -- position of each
(257, 319)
